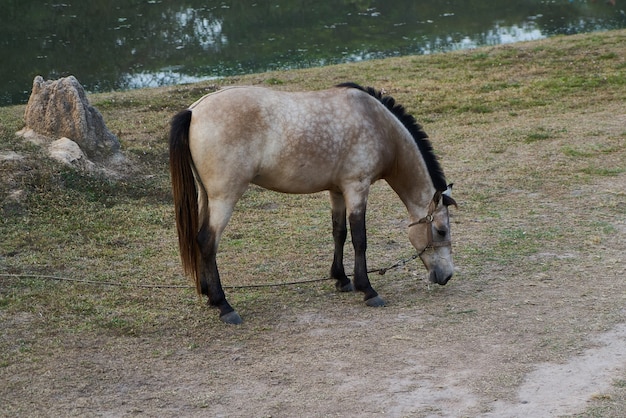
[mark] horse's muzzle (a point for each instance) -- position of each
(439, 277)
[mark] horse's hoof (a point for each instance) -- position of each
(231, 318)
(376, 302)
(344, 288)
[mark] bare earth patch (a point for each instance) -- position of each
(532, 324)
(559, 389)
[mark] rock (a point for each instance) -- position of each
(68, 152)
(10, 156)
(13, 204)
(32, 136)
(60, 109)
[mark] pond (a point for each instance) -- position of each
(127, 44)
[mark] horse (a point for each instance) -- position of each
(339, 140)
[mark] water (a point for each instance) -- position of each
(127, 44)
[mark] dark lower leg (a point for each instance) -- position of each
(210, 277)
(340, 233)
(359, 241)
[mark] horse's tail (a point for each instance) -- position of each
(185, 195)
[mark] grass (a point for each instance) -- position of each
(530, 133)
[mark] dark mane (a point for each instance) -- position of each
(414, 128)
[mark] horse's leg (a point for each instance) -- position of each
(208, 239)
(340, 233)
(356, 217)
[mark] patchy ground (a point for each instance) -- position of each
(533, 323)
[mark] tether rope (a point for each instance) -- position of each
(380, 271)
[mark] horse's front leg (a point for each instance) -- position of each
(340, 233)
(359, 241)
(210, 277)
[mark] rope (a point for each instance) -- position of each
(380, 271)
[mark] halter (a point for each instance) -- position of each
(428, 219)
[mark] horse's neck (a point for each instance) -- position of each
(411, 181)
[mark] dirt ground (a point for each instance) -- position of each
(475, 351)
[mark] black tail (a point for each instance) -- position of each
(185, 195)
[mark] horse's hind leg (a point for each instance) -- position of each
(210, 276)
(340, 233)
(208, 239)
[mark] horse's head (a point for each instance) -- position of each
(431, 238)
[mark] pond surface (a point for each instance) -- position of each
(126, 44)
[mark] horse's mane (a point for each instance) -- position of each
(414, 128)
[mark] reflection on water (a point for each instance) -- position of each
(127, 44)
(495, 36)
(165, 77)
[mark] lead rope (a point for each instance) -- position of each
(428, 219)
(380, 271)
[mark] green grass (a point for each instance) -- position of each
(541, 134)
(603, 171)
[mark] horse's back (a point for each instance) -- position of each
(296, 142)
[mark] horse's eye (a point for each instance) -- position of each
(442, 231)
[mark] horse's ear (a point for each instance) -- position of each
(447, 197)
(437, 197)
(448, 201)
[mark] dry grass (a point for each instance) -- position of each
(534, 137)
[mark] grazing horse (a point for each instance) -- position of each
(341, 140)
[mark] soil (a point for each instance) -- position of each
(350, 361)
